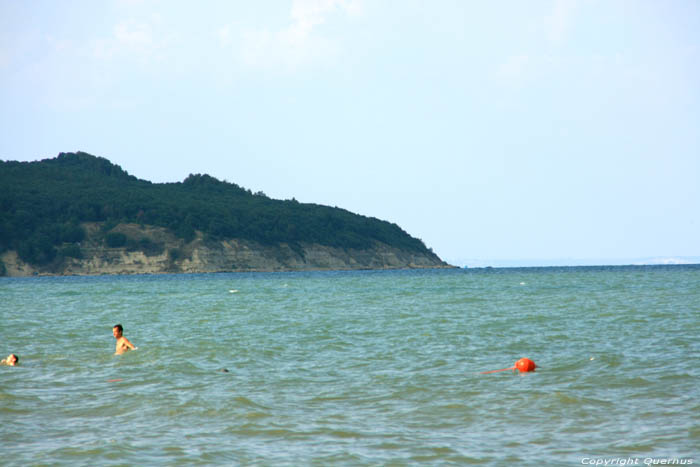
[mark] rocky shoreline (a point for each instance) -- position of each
(155, 250)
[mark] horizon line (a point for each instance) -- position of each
(564, 262)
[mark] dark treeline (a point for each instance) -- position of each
(42, 206)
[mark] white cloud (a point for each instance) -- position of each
(555, 26)
(559, 21)
(131, 39)
(299, 42)
(307, 14)
(134, 34)
(225, 35)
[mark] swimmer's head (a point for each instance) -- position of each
(117, 330)
(12, 359)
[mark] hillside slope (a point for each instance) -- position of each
(81, 214)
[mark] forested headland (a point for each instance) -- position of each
(45, 206)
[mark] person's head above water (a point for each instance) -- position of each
(117, 330)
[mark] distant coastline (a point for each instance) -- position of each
(78, 214)
(520, 263)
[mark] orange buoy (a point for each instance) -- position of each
(525, 365)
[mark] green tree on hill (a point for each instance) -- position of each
(43, 204)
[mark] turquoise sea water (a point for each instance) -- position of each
(354, 368)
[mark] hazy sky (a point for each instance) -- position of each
(516, 130)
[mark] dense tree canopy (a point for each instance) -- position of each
(42, 206)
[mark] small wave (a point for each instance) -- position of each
(256, 415)
(245, 402)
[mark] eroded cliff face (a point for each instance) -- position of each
(154, 250)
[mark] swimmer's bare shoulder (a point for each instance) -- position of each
(11, 360)
(124, 345)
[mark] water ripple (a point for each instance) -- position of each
(352, 368)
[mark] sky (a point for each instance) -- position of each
(499, 133)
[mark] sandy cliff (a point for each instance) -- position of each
(155, 250)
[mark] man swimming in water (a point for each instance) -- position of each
(11, 360)
(123, 343)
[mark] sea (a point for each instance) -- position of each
(354, 368)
